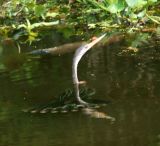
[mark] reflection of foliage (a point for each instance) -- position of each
(66, 102)
(142, 46)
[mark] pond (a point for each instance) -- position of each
(129, 82)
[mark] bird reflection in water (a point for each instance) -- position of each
(92, 112)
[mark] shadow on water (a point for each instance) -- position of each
(131, 82)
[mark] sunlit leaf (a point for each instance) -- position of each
(112, 1)
(141, 14)
(136, 3)
(41, 24)
(32, 36)
(92, 25)
(52, 14)
(112, 8)
(116, 7)
(133, 16)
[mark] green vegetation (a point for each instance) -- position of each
(27, 19)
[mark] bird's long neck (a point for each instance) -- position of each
(77, 57)
(74, 72)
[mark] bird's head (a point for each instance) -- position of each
(94, 41)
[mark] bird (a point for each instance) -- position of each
(79, 53)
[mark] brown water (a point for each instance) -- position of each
(130, 83)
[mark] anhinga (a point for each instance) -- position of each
(77, 57)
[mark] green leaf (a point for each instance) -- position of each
(120, 5)
(112, 1)
(32, 36)
(40, 10)
(151, 1)
(136, 4)
(133, 16)
(116, 7)
(67, 32)
(98, 5)
(140, 39)
(92, 25)
(141, 14)
(112, 8)
(52, 14)
(131, 3)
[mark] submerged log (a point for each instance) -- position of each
(71, 47)
(58, 50)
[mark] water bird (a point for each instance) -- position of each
(76, 59)
(60, 105)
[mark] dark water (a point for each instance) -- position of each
(130, 83)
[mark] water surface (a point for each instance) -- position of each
(130, 83)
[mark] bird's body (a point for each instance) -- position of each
(66, 102)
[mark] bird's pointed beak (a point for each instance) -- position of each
(95, 41)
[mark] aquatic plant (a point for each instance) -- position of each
(19, 18)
